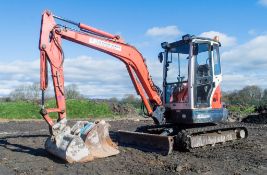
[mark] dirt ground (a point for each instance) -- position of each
(22, 152)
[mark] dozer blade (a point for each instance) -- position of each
(83, 142)
(146, 142)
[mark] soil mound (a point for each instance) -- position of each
(258, 119)
(122, 109)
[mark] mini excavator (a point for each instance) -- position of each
(188, 112)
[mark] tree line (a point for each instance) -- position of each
(32, 92)
(249, 95)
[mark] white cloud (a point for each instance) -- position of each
(252, 54)
(246, 64)
(167, 31)
(98, 78)
(102, 78)
(227, 41)
(95, 77)
(13, 74)
(263, 2)
(237, 80)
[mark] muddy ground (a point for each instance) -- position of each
(22, 152)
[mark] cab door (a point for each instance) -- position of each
(204, 79)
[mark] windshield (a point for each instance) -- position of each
(178, 67)
(177, 74)
(177, 64)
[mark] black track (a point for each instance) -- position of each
(182, 133)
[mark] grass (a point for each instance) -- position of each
(86, 108)
(81, 108)
(19, 110)
(75, 109)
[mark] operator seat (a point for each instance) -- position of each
(180, 94)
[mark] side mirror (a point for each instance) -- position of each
(160, 57)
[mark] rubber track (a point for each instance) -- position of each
(182, 140)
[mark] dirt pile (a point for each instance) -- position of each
(118, 107)
(261, 109)
(123, 109)
(258, 119)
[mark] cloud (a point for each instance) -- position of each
(227, 41)
(242, 65)
(237, 80)
(157, 35)
(246, 64)
(95, 77)
(251, 55)
(263, 2)
(167, 31)
(13, 74)
(98, 78)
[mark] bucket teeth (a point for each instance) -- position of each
(83, 142)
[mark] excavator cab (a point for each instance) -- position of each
(191, 80)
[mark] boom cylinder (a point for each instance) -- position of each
(88, 28)
(97, 31)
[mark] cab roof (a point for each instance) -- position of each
(182, 46)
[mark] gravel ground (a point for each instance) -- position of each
(22, 152)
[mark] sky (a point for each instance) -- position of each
(241, 26)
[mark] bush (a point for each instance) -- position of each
(26, 92)
(240, 110)
(131, 100)
(71, 92)
(249, 95)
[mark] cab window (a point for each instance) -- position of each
(216, 58)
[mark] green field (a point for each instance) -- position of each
(82, 108)
(75, 109)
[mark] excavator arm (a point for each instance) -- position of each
(51, 52)
(88, 140)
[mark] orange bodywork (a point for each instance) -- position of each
(51, 52)
(216, 99)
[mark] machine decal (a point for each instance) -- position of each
(201, 116)
(105, 44)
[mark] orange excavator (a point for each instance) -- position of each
(186, 112)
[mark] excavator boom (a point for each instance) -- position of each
(51, 51)
(81, 146)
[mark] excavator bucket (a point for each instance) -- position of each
(84, 142)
